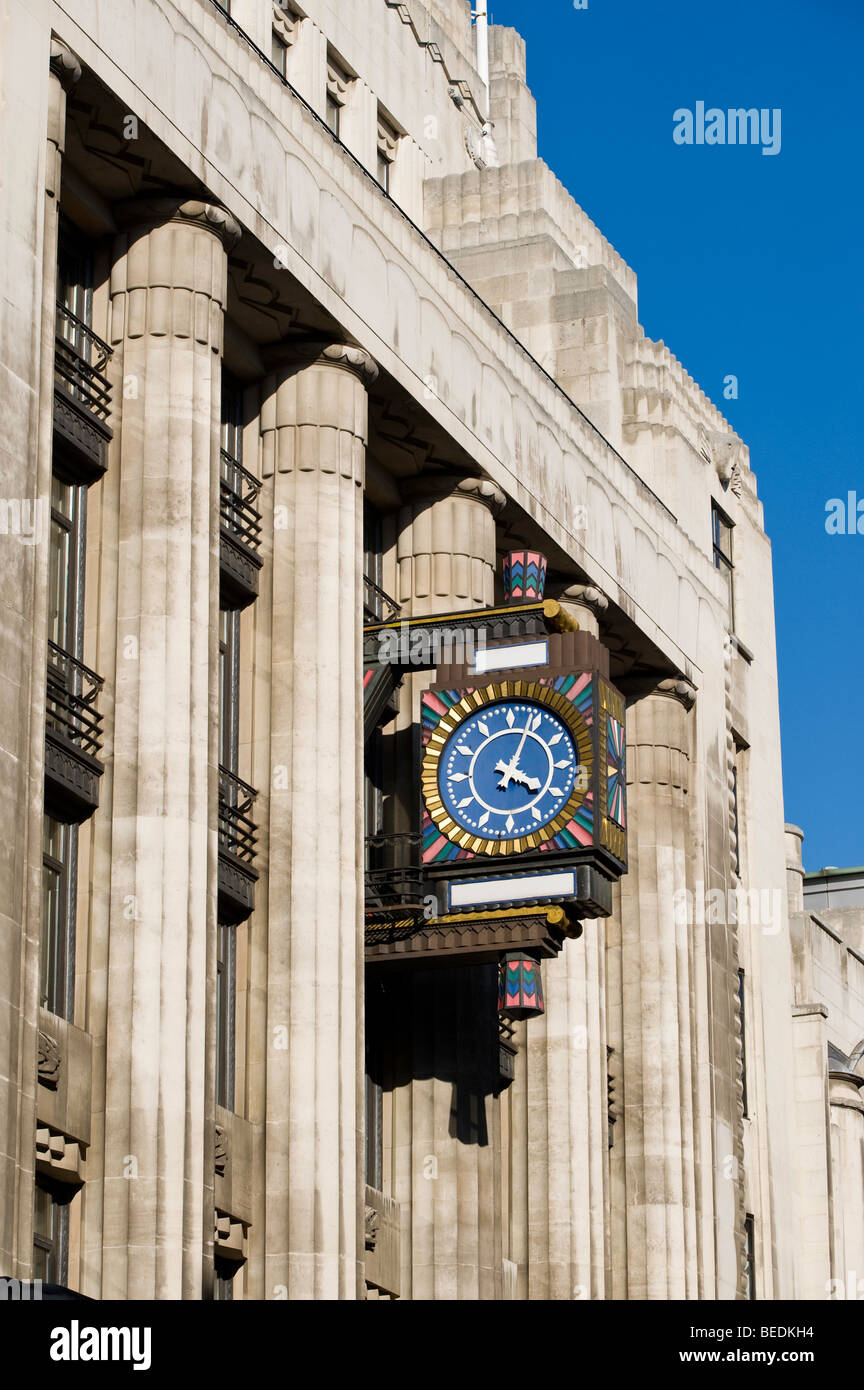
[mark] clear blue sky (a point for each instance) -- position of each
(748, 264)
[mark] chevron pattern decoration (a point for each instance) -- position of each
(520, 988)
(524, 576)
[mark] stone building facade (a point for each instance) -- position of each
(298, 336)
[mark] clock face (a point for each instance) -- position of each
(508, 770)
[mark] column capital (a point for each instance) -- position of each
(294, 354)
(676, 688)
(588, 595)
(153, 212)
(435, 487)
(64, 64)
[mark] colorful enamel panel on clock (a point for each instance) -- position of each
(508, 768)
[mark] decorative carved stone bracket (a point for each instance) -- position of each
(372, 1221)
(230, 1237)
(221, 1150)
(59, 1156)
(49, 1061)
(725, 452)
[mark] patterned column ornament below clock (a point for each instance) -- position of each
(520, 986)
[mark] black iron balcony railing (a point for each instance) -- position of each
(238, 495)
(394, 875)
(378, 607)
(71, 711)
(79, 363)
(238, 833)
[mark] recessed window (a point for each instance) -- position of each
(721, 533)
(339, 82)
(388, 143)
(224, 1272)
(742, 1016)
(279, 53)
(334, 115)
(66, 565)
(750, 1269)
(738, 791)
(59, 844)
(226, 992)
(50, 1233)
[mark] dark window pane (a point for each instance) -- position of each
(278, 53)
(750, 1269)
(52, 930)
(42, 1224)
(334, 115)
(224, 1283)
(50, 1233)
(65, 565)
(225, 1015)
(722, 532)
(57, 954)
(60, 590)
(229, 688)
(74, 278)
(742, 1016)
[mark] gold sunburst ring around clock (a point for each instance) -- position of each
(469, 704)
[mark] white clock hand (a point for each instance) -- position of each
(510, 768)
(516, 775)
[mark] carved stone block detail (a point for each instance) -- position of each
(221, 1150)
(49, 1060)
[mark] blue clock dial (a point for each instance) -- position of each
(507, 770)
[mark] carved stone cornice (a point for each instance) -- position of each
(285, 22)
(155, 212)
(65, 65)
(300, 352)
(587, 595)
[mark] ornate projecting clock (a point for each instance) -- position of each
(507, 768)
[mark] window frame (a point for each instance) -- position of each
(339, 82)
(750, 1265)
(73, 525)
(61, 1000)
(741, 994)
(55, 1246)
(229, 689)
(279, 47)
(722, 527)
(75, 279)
(388, 138)
(223, 1281)
(226, 1014)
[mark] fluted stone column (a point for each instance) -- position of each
(564, 1079)
(31, 111)
(445, 545)
(846, 1095)
(168, 290)
(655, 1155)
(443, 1144)
(314, 426)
